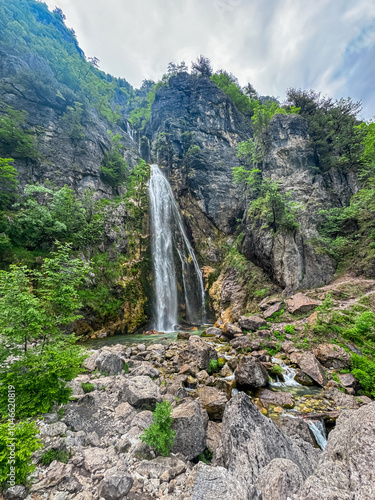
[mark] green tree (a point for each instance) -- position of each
(114, 169)
(160, 434)
(8, 183)
(36, 304)
(15, 140)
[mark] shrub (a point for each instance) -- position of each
(206, 456)
(126, 368)
(160, 434)
(364, 370)
(276, 370)
(114, 170)
(51, 455)
(289, 329)
(87, 387)
(213, 366)
(26, 444)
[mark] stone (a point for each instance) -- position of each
(109, 362)
(140, 392)
(145, 369)
(250, 372)
(184, 335)
(17, 492)
(124, 412)
(55, 474)
(292, 426)
(190, 428)
(250, 441)
(142, 420)
(300, 304)
(115, 485)
(242, 342)
(346, 468)
(213, 401)
(214, 331)
(270, 311)
(284, 399)
(309, 365)
(166, 467)
(303, 379)
(213, 435)
(252, 323)
(340, 399)
(53, 430)
(198, 351)
(279, 479)
(230, 330)
(348, 380)
(332, 356)
(217, 483)
(95, 459)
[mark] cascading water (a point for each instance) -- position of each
(288, 375)
(318, 429)
(167, 234)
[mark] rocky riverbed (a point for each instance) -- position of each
(249, 414)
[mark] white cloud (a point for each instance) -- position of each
(275, 44)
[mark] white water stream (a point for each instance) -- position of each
(318, 429)
(172, 251)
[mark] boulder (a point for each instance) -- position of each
(270, 311)
(124, 412)
(213, 435)
(213, 401)
(109, 362)
(95, 459)
(340, 399)
(230, 330)
(217, 483)
(332, 356)
(284, 399)
(115, 485)
(53, 430)
(55, 474)
(300, 304)
(184, 335)
(292, 426)
(214, 331)
(346, 468)
(279, 479)
(348, 380)
(198, 351)
(303, 379)
(190, 427)
(145, 369)
(250, 372)
(17, 492)
(166, 467)
(309, 365)
(240, 342)
(252, 323)
(140, 392)
(250, 441)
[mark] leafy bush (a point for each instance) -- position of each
(114, 169)
(40, 377)
(160, 434)
(206, 456)
(276, 370)
(364, 370)
(26, 444)
(87, 387)
(289, 329)
(126, 368)
(8, 183)
(215, 365)
(49, 456)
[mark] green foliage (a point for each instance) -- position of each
(40, 375)
(25, 444)
(87, 387)
(126, 368)
(34, 305)
(206, 456)
(73, 118)
(215, 365)
(333, 130)
(142, 103)
(289, 329)
(276, 370)
(15, 140)
(8, 183)
(49, 456)
(114, 170)
(229, 84)
(160, 434)
(364, 370)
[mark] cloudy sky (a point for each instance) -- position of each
(325, 45)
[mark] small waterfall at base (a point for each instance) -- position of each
(288, 374)
(167, 234)
(318, 429)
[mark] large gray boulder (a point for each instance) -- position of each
(250, 372)
(310, 366)
(199, 351)
(252, 323)
(140, 392)
(292, 426)
(332, 356)
(279, 479)
(213, 401)
(190, 427)
(217, 483)
(346, 468)
(115, 485)
(250, 441)
(109, 362)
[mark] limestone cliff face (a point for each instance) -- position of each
(29, 84)
(194, 129)
(293, 260)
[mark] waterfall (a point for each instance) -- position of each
(288, 374)
(318, 429)
(130, 131)
(168, 239)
